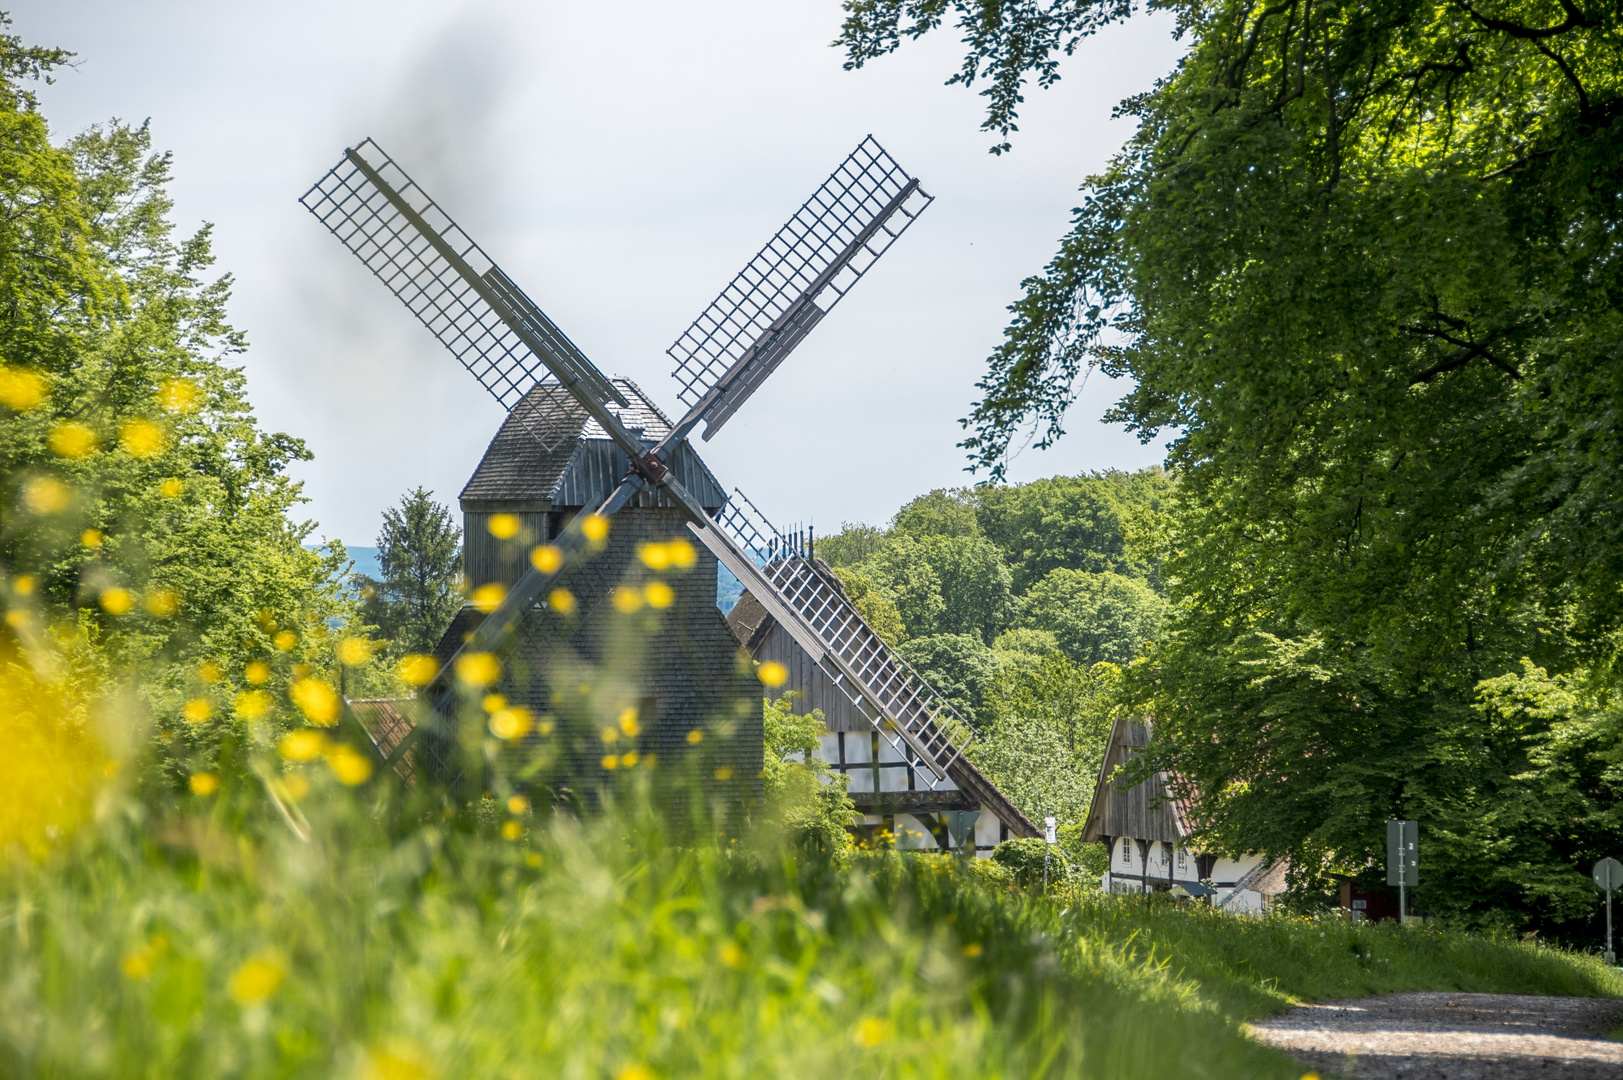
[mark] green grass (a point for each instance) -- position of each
(213, 942)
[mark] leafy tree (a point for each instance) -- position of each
(875, 605)
(804, 796)
(853, 544)
(941, 512)
(420, 558)
(1076, 522)
(146, 526)
(1364, 260)
(1094, 617)
(960, 666)
(945, 584)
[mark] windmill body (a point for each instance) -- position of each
(596, 439)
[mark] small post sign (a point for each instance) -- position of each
(1609, 876)
(1050, 838)
(1403, 861)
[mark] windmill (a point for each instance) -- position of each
(529, 365)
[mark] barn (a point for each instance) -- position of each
(1147, 830)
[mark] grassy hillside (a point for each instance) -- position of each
(216, 942)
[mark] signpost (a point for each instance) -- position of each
(1050, 837)
(1609, 875)
(1403, 861)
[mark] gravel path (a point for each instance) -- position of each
(1452, 1037)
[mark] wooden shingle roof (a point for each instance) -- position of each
(549, 451)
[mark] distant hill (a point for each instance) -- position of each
(366, 561)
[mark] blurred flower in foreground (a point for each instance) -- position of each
(349, 765)
(302, 745)
(503, 526)
(21, 389)
(512, 830)
(488, 598)
(562, 601)
(400, 1060)
(210, 672)
(518, 804)
(354, 651)
(252, 704)
(478, 670)
(91, 538)
(696, 736)
(139, 963)
(654, 556)
(546, 559)
(257, 979)
(869, 1032)
(681, 553)
(658, 594)
(285, 640)
(116, 601)
(626, 599)
(732, 955)
(162, 603)
(316, 700)
(772, 673)
(197, 710)
(71, 439)
(142, 438)
(179, 395)
(417, 669)
(51, 765)
(629, 727)
(595, 528)
(45, 495)
(513, 723)
(171, 488)
(204, 783)
(257, 672)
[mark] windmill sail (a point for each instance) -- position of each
(447, 280)
(792, 282)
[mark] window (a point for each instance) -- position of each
(1183, 861)
(1126, 851)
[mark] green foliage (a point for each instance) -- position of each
(1047, 722)
(945, 584)
(941, 512)
(853, 544)
(874, 604)
(147, 514)
(958, 666)
(1074, 522)
(420, 558)
(1364, 262)
(804, 797)
(1094, 617)
(1026, 858)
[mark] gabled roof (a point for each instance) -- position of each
(1145, 811)
(548, 450)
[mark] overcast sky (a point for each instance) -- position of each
(621, 161)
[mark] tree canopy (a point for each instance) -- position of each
(1362, 260)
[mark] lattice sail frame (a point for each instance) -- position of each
(415, 248)
(796, 279)
(908, 702)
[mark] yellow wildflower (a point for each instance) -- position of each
(512, 830)
(316, 700)
(179, 395)
(772, 673)
(595, 527)
(610, 761)
(562, 601)
(142, 438)
(695, 736)
(488, 598)
(117, 601)
(654, 556)
(724, 773)
(257, 979)
(162, 603)
(658, 594)
(71, 439)
(349, 765)
(503, 526)
(252, 704)
(171, 488)
(354, 651)
(681, 553)
(306, 744)
(45, 495)
(21, 389)
(417, 669)
(517, 805)
(204, 783)
(197, 710)
(512, 723)
(91, 538)
(626, 599)
(209, 671)
(285, 640)
(546, 558)
(257, 672)
(869, 1032)
(731, 955)
(478, 670)
(628, 723)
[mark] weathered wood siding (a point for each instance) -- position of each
(1142, 811)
